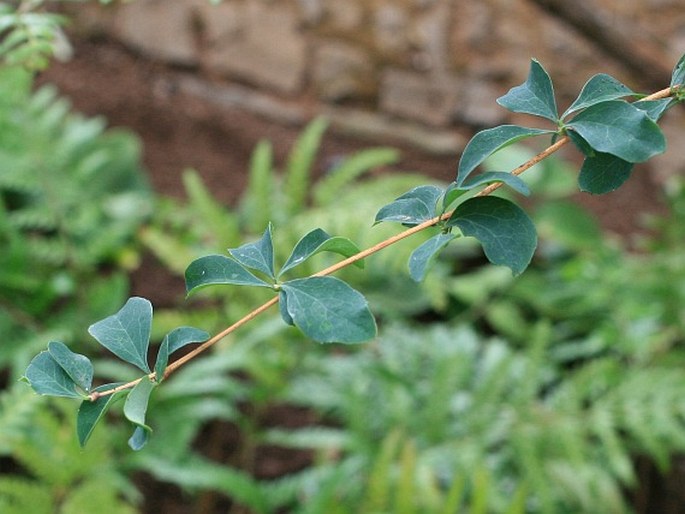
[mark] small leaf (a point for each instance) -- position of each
(91, 412)
(138, 439)
(218, 269)
(135, 410)
(423, 256)
(655, 109)
(174, 340)
(619, 128)
(318, 241)
(328, 310)
(603, 173)
(47, 377)
(413, 207)
(257, 256)
(451, 194)
(486, 142)
(489, 177)
(127, 333)
(678, 76)
(535, 96)
(283, 307)
(506, 232)
(77, 366)
(599, 88)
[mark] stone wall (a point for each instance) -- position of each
(433, 64)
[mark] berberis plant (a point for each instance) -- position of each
(612, 133)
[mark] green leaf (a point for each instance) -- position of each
(127, 333)
(218, 269)
(91, 412)
(603, 173)
(413, 207)
(283, 307)
(599, 88)
(257, 256)
(678, 76)
(135, 410)
(486, 142)
(139, 438)
(621, 129)
(174, 340)
(535, 96)
(318, 241)
(489, 177)
(300, 160)
(423, 256)
(506, 232)
(47, 377)
(580, 143)
(328, 310)
(77, 366)
(655, 109)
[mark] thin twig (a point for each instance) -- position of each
(664, 93)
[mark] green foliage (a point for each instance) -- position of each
(50, 473)
(71, 198)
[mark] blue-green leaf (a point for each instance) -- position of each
(486, 142)
(535, 96)
(423, 256)
(91, 412)
(603, 173)
(174, 340)
(328, 310)
(678, 76)
(599, 88)
(283, 307)
(318, 241)
(580, 143)
(413, 207)
(139, 438)
(47, 377)
(655, 109)
(513, 181)
(621, 129)
(127, 333)
(77, 366)
(258, 255)
(506, 232)
(218, 269)
(135, 410)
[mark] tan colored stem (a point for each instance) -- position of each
(664, 93)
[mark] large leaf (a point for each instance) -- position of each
(174, 340)
(91, 412)
(135, 410)
(535, 96)
(421, 258)
(257, 256)
(328, 310)
(678, 76)
(318, 241)
(506, 232)
(127, 333)
(603, 173)
(283, 307)
(413, 207)
(47, 377)
(77, 366)
(621, 129)
(218, 269)
(486, 142)
(599, 88)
